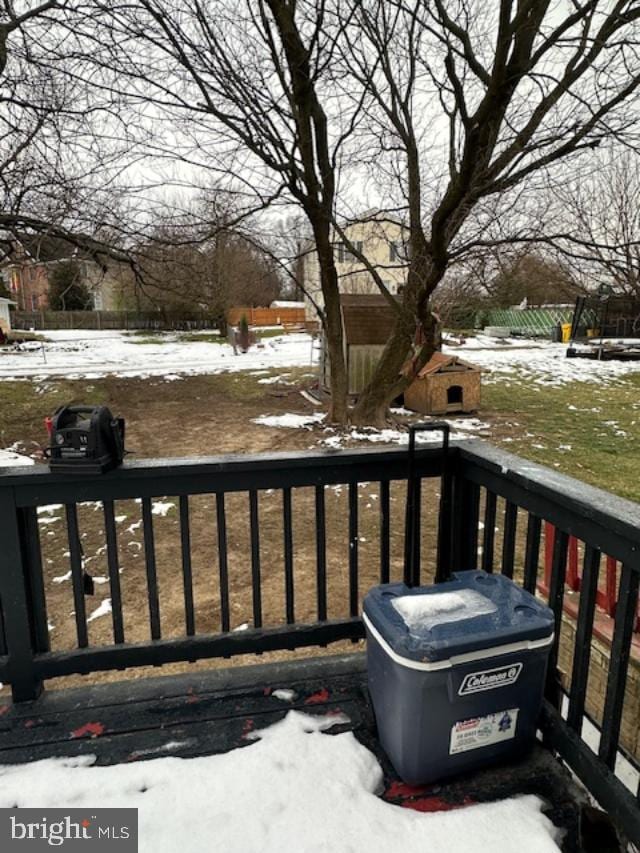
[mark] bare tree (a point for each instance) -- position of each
(56, 171)
(241, 91)
(602, 216)
(473, 102)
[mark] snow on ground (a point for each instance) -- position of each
(289, 420)
(460, 428)
(103, 609)
(294, 789)
(539, 362)
(91, 355)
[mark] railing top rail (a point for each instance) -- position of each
(538, 485)
(35, 485)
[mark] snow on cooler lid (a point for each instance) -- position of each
(471, 612)
(423, 612)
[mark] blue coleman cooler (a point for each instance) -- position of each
(456, 672)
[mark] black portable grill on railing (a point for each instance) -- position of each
(491, 518)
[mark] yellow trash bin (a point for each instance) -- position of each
(566, 332)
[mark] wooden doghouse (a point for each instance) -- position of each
(445, 384)
(367, 321)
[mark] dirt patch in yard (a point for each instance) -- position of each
(196, 416)
(193, 416)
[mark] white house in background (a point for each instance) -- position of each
(380, 239)
(5, 316)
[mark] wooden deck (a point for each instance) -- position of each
(213, 712)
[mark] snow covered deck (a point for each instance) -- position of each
(207, 714)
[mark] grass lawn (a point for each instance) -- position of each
(586, 430)
(589, 431)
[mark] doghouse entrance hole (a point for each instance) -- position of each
(454, 395)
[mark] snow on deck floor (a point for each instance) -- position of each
(91, 355)
(294, 789)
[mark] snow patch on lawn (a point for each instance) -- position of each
(91, 354)
(540, 363)
(294, 783)
(160, 508)
(103, 610)
(49, 508)
(290, 420)
(459, 429)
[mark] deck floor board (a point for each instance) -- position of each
(188, 716)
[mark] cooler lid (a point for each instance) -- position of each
(472, 611)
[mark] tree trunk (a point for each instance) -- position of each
(332, 323)
(389, 380)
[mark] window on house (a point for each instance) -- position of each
(398, 251)
(343, 254)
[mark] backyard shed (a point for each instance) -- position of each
(445, 384)
(5, 316)
(367, 320)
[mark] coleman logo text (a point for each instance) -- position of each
(489, 679)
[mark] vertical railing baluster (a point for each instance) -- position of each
(466, 512)
(288, 555)
(385, 539)
(321, 554)
(584, 631)
(489, 533)
(256, 583)
(3, 636)
(16, 605)
(620, 653)
(30, 535)
(556, 603)
(223, 566)
(150, 565)
(509, 539)
(353, 549)
(75, 560)
(532, 553)
(187, 570)
(114, 571)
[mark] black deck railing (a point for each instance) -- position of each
(492, 518)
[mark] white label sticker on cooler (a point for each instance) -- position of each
(489, 679)
(483, 731)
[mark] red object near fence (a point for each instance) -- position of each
(606, 598)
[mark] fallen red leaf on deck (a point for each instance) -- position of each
(90, 729)
(317, 698)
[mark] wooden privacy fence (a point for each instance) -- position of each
(98, 320)
(266, 316)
